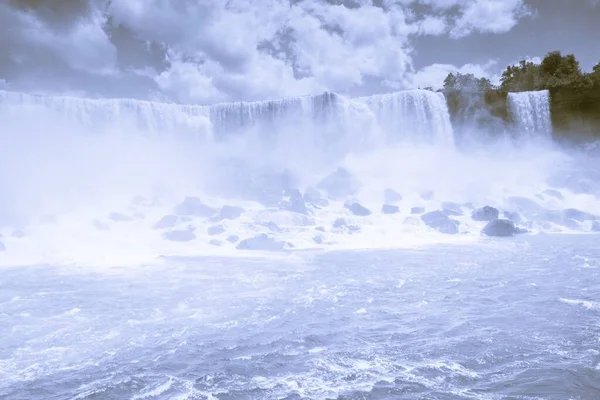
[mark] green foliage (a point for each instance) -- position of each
(555, 71)
(466, 82)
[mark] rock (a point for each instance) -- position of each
(389, 209)
(215, 230)
(427, 195)
(262, 242)
(486, 213)
(515, 217)
(233, 238)
(342, 223)
(579, 215)
(295, 203)
(417, 210)
(215, 242)
(339, 184)
(501, 228)
(440, 221)
(273, 227)
(229, 212)
(452, 209)
(596, 226)
(358, 210)
(318, 239)
(118, 217)
(180, 235)
(101, 226)
(193, 206)
(554, 193)
(168, 221)
(313, 196)
(2, 247)
(320, 229)
(391, 196)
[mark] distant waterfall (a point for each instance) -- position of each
(326, 119)
(531, 112)
(413, 115)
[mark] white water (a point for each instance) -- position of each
(67, 163)
(531, 112)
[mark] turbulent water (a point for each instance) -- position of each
(242, 250)
(516, 319)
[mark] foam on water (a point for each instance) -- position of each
(66, 164)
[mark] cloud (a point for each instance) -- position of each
(212, 50)
(434, 75)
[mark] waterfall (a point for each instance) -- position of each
(419, 116)
(326, 120)
(531, 113)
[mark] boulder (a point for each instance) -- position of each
(441, 222)
(341, 223)
(295, 203)
(501, 228)
(193, 206)
(391, 196)
(233, 238)
(262, 242)
(318, 239)
(339, 184)
(515, 217)
(272, 226)
(596, 226)
(486, 213)
(313, 196)
(389, 209)
(417, 210)
(320, 229)
(358, 210)
(579, 215)
(215, 230)
(118, 217)
(427, 195)
(215, 242)
(168, 221)
(180, 235)
(452, 209)
(229, 212)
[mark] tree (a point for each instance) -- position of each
(560, 71)
(466, 82)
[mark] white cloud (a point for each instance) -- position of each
(212, 50)
(434, 75)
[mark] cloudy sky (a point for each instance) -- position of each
(207, 51)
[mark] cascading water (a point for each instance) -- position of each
(531, 113)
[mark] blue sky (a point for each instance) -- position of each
(207, 51)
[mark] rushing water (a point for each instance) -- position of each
(531, 112)
(508, 319)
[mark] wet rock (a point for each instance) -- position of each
(2, 247)
(180, 235)
(554, 193)
(358, 210)
(515, 217)
(314, 197)
(339, 184)
(391, 196)
(417, 210)
(389, 209)
(452, 209)
(272, 226)
(441, 222)
(194, 207)
(101, 226)
(318, 239)
(320, 229)
(341, 223)
(596, 226)
(215, 242)
(233, 238)
(579, 215)
(262, 242)
(486, 213)
(295, 203)
(215, 230)
(501, 228)
(427, 195)
(118, 217)
(229, 212)
(166, 222)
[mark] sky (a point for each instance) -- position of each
(210, 51)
